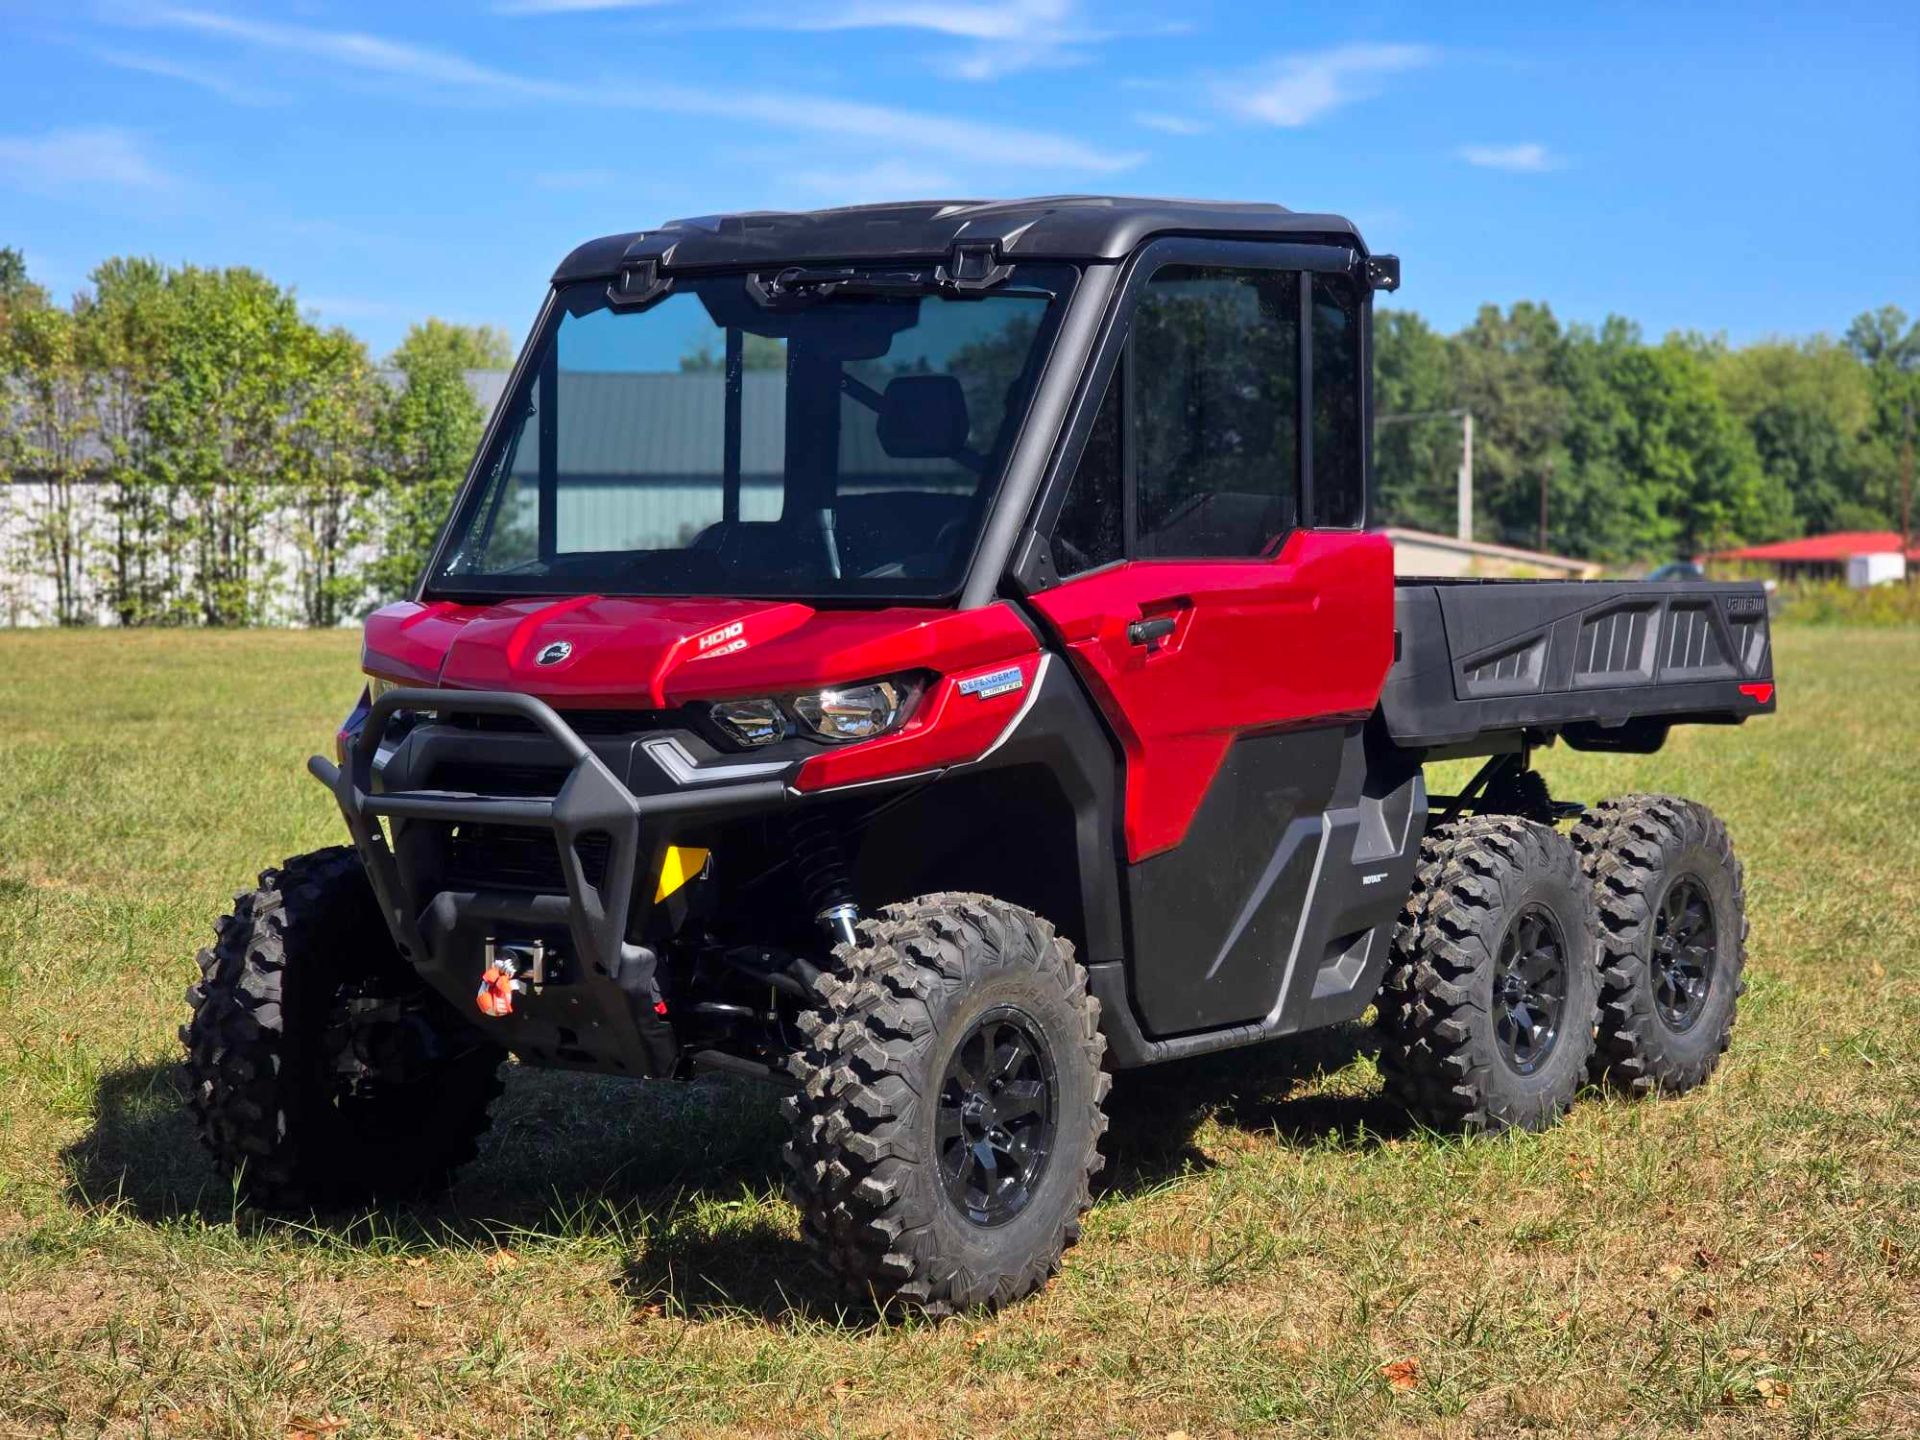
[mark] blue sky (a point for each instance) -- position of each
(1741, 168)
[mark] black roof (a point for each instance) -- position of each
(1057, 227)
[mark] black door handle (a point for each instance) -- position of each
(1151, 632)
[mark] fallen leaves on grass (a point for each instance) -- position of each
(1402, 1375)
(501, 1261)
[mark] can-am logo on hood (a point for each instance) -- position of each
(553, 654)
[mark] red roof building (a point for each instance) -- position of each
(1821, 556)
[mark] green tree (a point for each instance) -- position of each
(1415, 460)
(220, 416)
(1889, 346)
(17, 290)
(331, 473)
(1509, 374)
(125, 322)
(429, 431)
(51, 442)
(1681, 442)
(1807, 405)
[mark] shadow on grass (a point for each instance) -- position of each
(1155, 1114)
(680, 1175)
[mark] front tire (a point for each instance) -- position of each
(1488, 1005)
(1670, 906)
(950, 1110)
(320, 1071)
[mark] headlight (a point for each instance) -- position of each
(376, 687)
(751, 722)
(851, 712)
(858, 712)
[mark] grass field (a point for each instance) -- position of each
(1271, 1248)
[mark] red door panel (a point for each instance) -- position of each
(1304, 637)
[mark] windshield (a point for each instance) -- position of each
(824, 444)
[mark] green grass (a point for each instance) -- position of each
(1269, 1236)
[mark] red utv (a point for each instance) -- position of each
(928, 656)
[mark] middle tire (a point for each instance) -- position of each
(950, 1110)
(1490, 997)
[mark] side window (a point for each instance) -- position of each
(1213, 422)
(1091, 529)
(1337, 486)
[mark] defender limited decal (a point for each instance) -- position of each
(996, 682)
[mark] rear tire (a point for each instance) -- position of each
(1671, 931)
(1488, 1005)
(950, 1109)
(320, 1071)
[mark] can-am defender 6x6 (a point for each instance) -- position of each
(930, 656)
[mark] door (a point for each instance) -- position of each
(1232, 639)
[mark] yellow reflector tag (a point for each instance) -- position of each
(683, 863)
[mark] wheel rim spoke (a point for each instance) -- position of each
(1685, 952)
(1529, 989)
(995, 1121)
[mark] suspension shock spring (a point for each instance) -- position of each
(820, 862)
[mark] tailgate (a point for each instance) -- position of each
(1481, 657)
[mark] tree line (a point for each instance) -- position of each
(1594, 442)
(181, 445)
(175, 432)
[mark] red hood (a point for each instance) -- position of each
(628, 653)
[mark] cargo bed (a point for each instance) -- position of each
(1608, 665)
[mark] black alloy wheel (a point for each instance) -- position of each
(1685, 947)
(1529, 989)
(995, 1125)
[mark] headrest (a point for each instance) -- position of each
(923, 417)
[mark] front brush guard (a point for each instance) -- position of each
(591, 800)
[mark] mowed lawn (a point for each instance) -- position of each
(1271, 1248)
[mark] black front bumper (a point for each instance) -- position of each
(606, 1011)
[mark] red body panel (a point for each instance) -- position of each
(630, 653)
(1257, 644)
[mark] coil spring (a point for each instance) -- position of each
(819, 861)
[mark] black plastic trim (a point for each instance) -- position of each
(615, 976)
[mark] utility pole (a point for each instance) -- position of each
(1546, 478)
(1465, 520)
(1906, 476)
(1463, 524)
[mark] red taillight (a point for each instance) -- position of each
(1760, 692)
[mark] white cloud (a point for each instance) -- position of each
(1528, 158)
(1008, 35)
(1169, 124)
(89, 157)
(981, 142)
(349, 48)
(1016, 20)
(210, 80)
(1294, 90)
